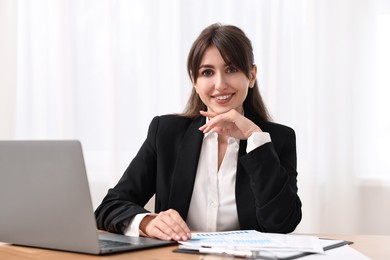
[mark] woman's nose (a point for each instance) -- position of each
(220, 82)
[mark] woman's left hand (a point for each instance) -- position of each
(230, 123)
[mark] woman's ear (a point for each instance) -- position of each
(253, 76)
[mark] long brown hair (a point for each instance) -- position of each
(235, 49)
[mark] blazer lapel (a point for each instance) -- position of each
(185, 169)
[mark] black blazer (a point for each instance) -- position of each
(166, 164)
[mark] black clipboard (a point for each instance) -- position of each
(337, 244)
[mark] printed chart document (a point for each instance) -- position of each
(254, 244)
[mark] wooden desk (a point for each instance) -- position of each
(375, 247)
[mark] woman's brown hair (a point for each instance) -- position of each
(235, 49)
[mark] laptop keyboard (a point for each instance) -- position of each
(110, 243)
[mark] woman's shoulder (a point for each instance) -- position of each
(279, 133)
(269, 126)
(173, 122)
(275, 126)
(175, 118)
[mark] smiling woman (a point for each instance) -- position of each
(224, 168)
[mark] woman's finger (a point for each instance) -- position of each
(177, 228)
(168, 225)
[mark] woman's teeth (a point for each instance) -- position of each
(222, 97)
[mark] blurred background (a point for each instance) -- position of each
(100, 70)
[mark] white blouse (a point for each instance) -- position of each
(213, 203)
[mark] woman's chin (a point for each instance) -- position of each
(221, 110)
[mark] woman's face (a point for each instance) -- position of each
(221, 86)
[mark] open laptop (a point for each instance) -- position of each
(45, 200)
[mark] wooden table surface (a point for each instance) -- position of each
(373, 246)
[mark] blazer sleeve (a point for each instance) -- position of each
(273, 181)
(134, 189)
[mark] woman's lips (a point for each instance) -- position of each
(223, 98)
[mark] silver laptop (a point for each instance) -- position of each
(45, 200)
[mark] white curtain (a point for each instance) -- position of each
(99, 70)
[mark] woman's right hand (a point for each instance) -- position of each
(167, 225)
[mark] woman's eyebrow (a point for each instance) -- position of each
(212, 66)
(206, 66)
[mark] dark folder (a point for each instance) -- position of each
(267, 255)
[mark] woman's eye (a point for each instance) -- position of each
(231, 69)
(207, 73)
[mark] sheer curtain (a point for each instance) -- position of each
(98, 71)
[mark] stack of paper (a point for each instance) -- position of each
(252, 240)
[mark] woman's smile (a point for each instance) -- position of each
(222, 99)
